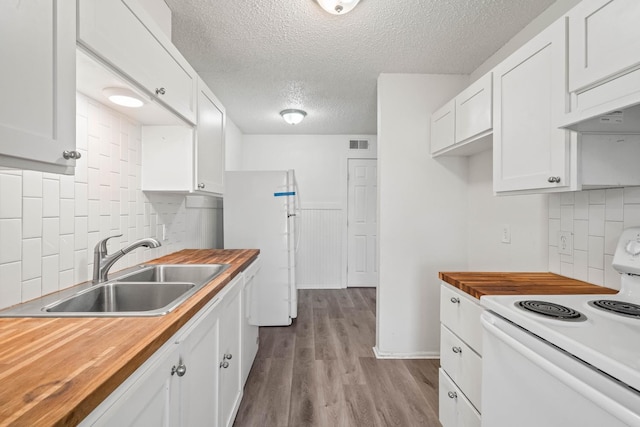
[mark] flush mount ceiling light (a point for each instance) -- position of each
(338, 7)
(123, 96)
(293, 116)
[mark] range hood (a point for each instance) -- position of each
(612, 107)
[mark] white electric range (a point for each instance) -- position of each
(565, 360)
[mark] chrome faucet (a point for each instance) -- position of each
(102, 262)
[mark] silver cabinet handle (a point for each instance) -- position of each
(224, 364)
(71, 154)
(201, 185)
(455, 300)
(228, 356)
(452, 394)
(456, 350)
(160, 91)
(554, 179)
(180, 370)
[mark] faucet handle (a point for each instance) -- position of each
(101, 246)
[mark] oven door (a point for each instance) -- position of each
(530, 383)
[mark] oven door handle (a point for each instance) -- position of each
(491, 324)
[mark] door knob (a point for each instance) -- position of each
(180, 370)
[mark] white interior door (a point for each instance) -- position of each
(362, 266)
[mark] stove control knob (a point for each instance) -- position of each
(633, 247)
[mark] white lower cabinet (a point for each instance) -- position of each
(230, 359)
(460, 358)
(454, 408)
(196, 378)
(249, 334)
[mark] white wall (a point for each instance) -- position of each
(232, 146)
(49, 224)
(526, 215)
(320, 162)
(422, 213)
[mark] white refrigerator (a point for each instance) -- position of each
(261, 211)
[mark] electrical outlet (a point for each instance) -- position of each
(164, 232)
(565, 243)
(506, 234)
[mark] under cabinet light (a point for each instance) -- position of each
(123, 96)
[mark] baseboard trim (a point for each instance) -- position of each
(327, 286)
(413, 355)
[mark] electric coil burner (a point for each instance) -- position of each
(618, 307)
(551, 310)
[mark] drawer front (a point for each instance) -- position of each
(454, 408)
(461, 314)
(462, 365)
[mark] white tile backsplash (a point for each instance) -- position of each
(49, 224)
(597, 220)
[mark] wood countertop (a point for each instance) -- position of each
(478, 284)
(55, 371)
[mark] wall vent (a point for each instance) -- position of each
(358, 144)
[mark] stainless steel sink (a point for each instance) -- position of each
(147, 290)
(119, 297)
(192, 273)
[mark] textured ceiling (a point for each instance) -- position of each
(263, 56)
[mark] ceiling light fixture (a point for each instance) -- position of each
(123, 96)
(338, 7)
(293, 116)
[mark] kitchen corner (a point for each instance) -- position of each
(68, 366)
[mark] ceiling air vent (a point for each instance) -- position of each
(358, 144)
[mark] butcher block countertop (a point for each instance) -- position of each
(55, 371)
(478, 284)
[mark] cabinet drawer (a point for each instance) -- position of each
(462, 364)
(454, 408)
(121, 33)
(461, 314)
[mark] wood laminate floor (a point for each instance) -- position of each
(321, 371)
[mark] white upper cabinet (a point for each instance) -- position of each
(443, 127)
(37, 108)
(461, 125)
(473, 110)
(604, 40)
(529, 151)
(210, 142)
(183, 159)
(604, 66)
(122, 34)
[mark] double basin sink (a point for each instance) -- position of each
(148, 290)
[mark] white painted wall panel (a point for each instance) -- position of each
(422, 213)
(319, 262)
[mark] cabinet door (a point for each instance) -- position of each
(249, 334)
(210, 142)
(443, 127)
(529, 151)
(37, 112)
(123, 35)
(604, 40)
(230, 357)
(199, 384)
(147, 398)
(473, 110)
